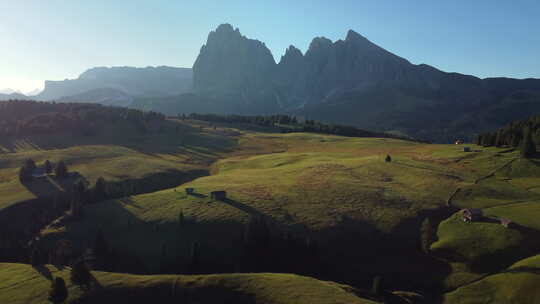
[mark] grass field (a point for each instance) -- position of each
(22, 284)
(336, 190)
(117, 153)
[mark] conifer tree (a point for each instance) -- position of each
(80, 275)
(48, 167)
(61, 170)
(36, 258)
(58, 293)
(528, 147)
(100, 189)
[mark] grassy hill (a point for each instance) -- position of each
(21, 283)
(335, 190)
(364, 214)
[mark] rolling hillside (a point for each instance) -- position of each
(21, 283)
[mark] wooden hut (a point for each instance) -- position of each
(218, 195)
(190, 190)
(472, 214)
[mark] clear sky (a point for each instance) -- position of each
(58, 39)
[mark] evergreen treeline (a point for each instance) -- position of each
(524, 134)
(287, 123)
(26, 117)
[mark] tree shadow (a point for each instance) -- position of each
(243, 207)
(44, 271)
(47, 186)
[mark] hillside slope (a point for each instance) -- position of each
(21, 283)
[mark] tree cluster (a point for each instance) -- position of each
(287, 123)
(26, 117)
(523, 134)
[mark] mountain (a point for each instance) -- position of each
(13, 96)
(105, 96)
(355, 81)
(235, 69)
(149, 81)
(34, 92)
(9, 91)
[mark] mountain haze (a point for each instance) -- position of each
(149, 81)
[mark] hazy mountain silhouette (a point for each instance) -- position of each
(149, 81)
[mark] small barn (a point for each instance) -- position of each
(466, 149)
(190, 190)
(472, 214)
(218, 195)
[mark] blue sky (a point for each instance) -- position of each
(58, 39)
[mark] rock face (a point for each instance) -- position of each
(232, 66)
(354, 81)
(150, 81)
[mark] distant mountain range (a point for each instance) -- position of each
(350, 81)
(150, 81)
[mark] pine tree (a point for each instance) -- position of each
(376, 287)
(61, 170)
(388, 159)
(80, 275)
(181, 218)
(100, 189)
(427, 234)
(101, 249)
(36, 258)
(30, 164)
(58, 293)
(528, 147)
(48, 167)
(24, 175)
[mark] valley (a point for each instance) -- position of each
(348, 214)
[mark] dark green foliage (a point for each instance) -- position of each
(527, 147)
(61, 170)
(286, 124)
(25, 117)
(25, 175)
(513, 134)
(100, 190)
(58, 293)
(101, 250)
(30, 164)
(36, 258)
(427, 234)
(25, 172)
(79, 191)
(181, 218)
(376, 288)
(48, 167)
(80, 275)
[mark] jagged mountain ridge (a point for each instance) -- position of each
(355, 81)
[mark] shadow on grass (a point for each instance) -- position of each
(243, 207)
(44, 271)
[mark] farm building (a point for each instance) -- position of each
(190, 190)
(472, 214)
(466, 149)
(218, 195)
(459, 142)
